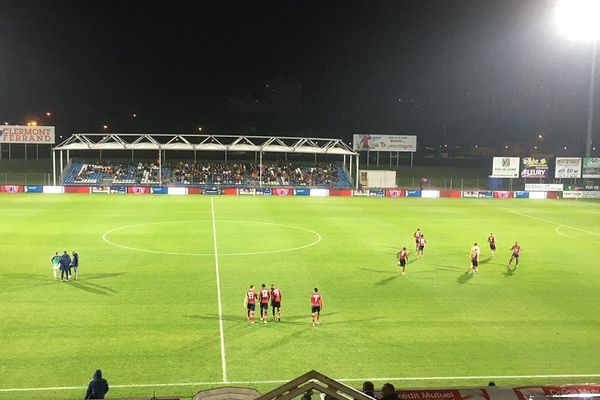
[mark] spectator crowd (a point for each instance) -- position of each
(211, 173)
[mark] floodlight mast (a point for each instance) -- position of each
(580, 20)
(588, 137)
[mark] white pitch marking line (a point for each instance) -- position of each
(557, 230)
(410, 378)
(214, 226)
(107, 240)
(556, 223)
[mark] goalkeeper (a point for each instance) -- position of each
(55, 261)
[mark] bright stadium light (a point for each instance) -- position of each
(578, 19)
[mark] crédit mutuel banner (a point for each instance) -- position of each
(27, 134)
(505, 167)
(368, 141)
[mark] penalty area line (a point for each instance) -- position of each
(214, 226)
(406, 378)
(556, 223)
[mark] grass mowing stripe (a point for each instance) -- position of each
(410, 378)
(214, 226)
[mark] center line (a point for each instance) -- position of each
(214, 226)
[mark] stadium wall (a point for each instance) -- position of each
(308, 192)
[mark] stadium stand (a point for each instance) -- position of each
(208, 174)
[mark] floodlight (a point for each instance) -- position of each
(578, 19)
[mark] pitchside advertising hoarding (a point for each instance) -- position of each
(374, 142)
(591, 167)
(27, 134)
(567, 167)
(505, 167)
(544, 187)
(534, 167)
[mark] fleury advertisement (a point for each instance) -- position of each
(374, 142)
(534, 167)
(505, 167)
(567, 167)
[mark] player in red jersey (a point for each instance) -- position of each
(417, 235)
(276, 302)
(492, 242)
(264, 297)
(250, 303)
(516, 251)
(402, 259)
(316, 303)
(474, 257)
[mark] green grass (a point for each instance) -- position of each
(148, 318)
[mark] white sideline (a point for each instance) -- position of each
(409, 378)
(214, 226)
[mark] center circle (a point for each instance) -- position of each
(196, 237)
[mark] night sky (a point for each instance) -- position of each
(448, 71)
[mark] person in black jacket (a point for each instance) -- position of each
(98, 387)
(65, 265)
(75, 264)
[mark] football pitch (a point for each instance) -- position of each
(159, 302)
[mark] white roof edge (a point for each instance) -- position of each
(266, 144)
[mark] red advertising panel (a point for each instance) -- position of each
(282, 192)
(77, 189)
(443, 394)
(340, 192)
(503, 195)
(574, 391)
(194, 190)
(553, 195)
(12, 188)
(450, 193)
(394, 193)
(230, 191)
(138, 190)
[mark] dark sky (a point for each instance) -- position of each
(457, 71)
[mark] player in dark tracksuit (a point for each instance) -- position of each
(65, 264)
(75, 264)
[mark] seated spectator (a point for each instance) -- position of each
(368, 388)
(388, 392)
(307, 395)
